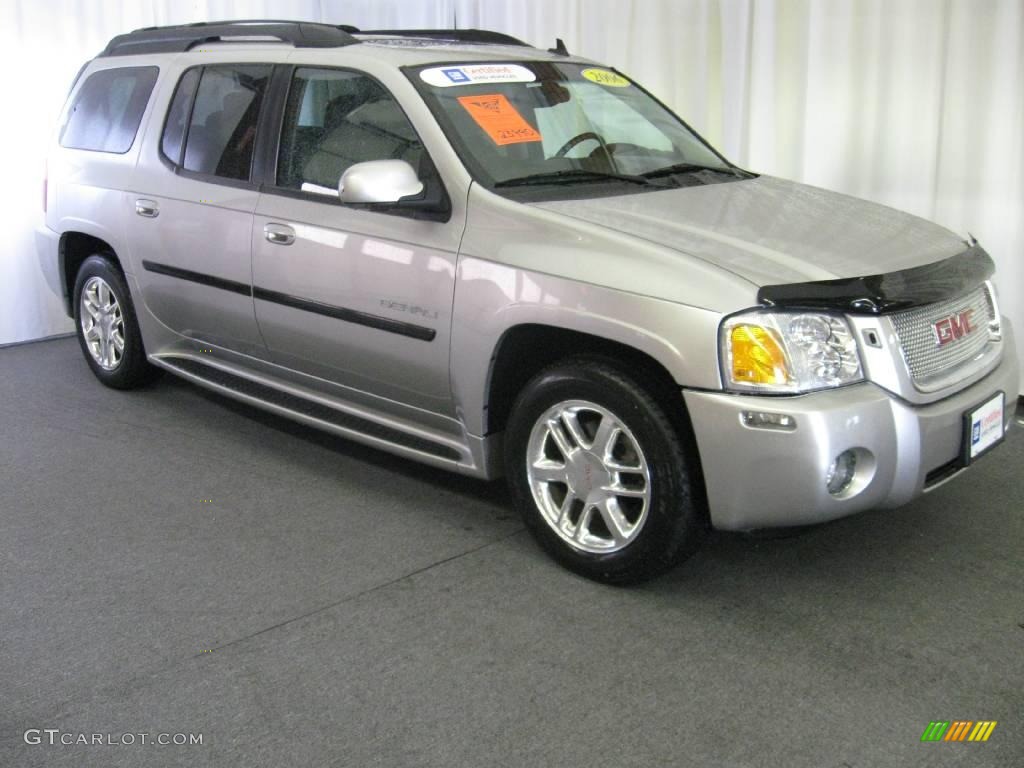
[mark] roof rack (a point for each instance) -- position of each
(454, 35)
(183, 37)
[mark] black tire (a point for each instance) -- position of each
(132, 369)
(676, 517)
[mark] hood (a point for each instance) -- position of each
(770, 231)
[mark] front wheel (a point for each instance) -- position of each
(603, 477)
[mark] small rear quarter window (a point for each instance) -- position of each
(107, 110)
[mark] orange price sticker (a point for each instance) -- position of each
(499, 119)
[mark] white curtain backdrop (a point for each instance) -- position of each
(918, 104)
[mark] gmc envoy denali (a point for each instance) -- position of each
(497, 259)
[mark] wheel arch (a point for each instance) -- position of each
(74, 248)
(523, 350)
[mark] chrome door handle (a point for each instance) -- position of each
(147, 208)
(279, 234)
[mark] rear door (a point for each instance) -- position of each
(357, 297)
(192, 209)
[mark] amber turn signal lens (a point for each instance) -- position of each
(757, 356)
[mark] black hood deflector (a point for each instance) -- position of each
(890, 292)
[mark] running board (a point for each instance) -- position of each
(291, 404)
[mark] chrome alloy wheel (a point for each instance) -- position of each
(102, 323)
(588, 476)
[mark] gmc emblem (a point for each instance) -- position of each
(954, 327)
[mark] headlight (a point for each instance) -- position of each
(787, 352)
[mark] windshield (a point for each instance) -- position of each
(561, 124)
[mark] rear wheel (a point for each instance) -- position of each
(601, 474)
(107, 329)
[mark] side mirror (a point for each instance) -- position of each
(379, 181)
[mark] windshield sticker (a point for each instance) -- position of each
(605, 77)
(499, 119)
(446, 77)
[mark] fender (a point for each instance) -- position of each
(491, 299)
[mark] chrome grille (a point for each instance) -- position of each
(916, 331)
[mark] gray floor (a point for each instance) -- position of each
(172, 562)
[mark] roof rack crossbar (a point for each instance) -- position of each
(455, 35)
(183, 37)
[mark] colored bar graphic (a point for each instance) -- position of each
(959, 730)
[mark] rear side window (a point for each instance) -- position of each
(221, 132)
(107, 109)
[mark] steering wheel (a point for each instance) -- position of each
(617, 146)
(578, 139)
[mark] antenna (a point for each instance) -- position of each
(559, 48)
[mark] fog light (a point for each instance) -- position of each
(765, 420)
(840, 474)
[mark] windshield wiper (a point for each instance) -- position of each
(671, 170)
(570, 175)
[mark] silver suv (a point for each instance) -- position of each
(496, 259)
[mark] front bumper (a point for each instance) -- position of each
(762, 478)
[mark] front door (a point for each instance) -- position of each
(357, 297)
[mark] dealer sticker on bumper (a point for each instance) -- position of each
(984, 427)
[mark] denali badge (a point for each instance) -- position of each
(954, 327)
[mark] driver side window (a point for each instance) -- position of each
(335, 119)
